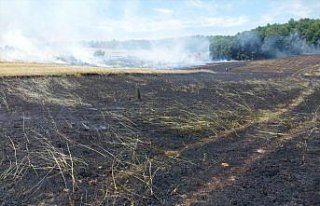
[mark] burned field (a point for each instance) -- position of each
(249, 136)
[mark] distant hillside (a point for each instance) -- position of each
(276, 40)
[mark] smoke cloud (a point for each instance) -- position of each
(294, 44)
(251, 45)
(64, 32)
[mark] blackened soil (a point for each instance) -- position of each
(90, 140)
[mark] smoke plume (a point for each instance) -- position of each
(66, 32)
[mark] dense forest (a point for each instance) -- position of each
(276, 40)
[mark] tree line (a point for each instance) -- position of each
(272, 40)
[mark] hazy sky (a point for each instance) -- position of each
(65, 20)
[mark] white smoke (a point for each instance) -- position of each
(172, 53)
(16, 47)
(54, 31)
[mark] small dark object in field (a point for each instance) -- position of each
(138, 93)
(99, 53)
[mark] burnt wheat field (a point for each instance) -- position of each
(246, 135)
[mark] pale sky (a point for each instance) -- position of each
(74, 20)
